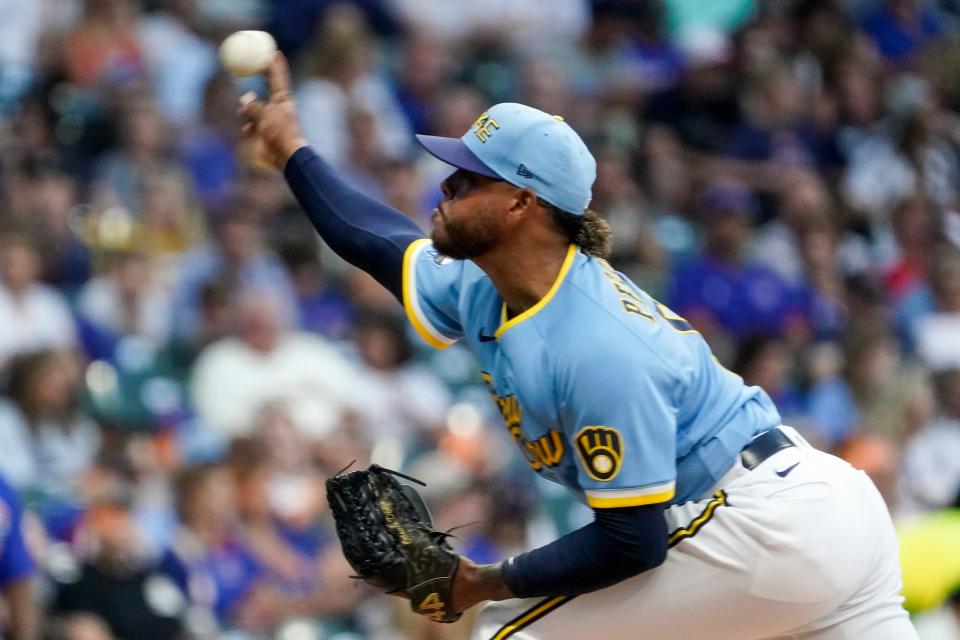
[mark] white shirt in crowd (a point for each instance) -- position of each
(40, 319)
(401, 403)
(324, 115)
(51, 456)
(930, 472)
(232, 382)
(99, 302)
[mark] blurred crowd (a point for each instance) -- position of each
(183, 362)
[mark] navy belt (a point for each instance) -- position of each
(763, 446)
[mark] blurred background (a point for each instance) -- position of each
(182, 361)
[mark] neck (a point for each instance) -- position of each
(523, 276)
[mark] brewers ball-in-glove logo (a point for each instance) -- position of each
(601, 451)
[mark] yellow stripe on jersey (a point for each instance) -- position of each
(613, 498)
(530, 616)
(719, 500)
(544, 301)
(411, 304)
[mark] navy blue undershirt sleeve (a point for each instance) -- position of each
(618, 544)
(366, 233)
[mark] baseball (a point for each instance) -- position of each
(247, 53)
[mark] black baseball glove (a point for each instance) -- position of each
(388, 538)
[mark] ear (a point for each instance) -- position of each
(524, 201)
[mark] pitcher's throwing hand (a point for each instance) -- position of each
(273, 124)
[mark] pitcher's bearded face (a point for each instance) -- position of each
(466, 222)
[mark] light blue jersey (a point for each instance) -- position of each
(603, 389)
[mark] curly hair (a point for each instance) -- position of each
(590, 231)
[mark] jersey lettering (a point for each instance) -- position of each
(481, 128)
(630, 300)
(545, 451)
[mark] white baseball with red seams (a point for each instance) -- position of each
(247, 53)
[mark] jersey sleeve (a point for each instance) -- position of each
(431, 293)
(621, 422)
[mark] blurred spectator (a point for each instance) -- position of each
(125, 301)
(914, 232)
(618, 196)
(145, 146)
(116, 583)
(19, 35)
(323, 306)
(930, 477)
(169, 220)
(79, 626)
(425, 68)
(48, 442)
(668, 181)
(822, 291)
(266, 361)
(543, 85)
(766, 363)
(283, 457)
(209, 562)
(341, 80)
(865, 398)
(403, 189)
(293, 22)
(719, 292)
(653, 61)
(53, 192)
(703, 109)
(802, 199)
(33, 315)
(280, 508)
(521, 23)
(900, 28)
(932, 314)
(776, 133)
(209, 146)
(856, 87)
(404, 400)
(237, 259)
(103, 46)
(22, 616)
(262, 189)
(178, 59)
(910, 155)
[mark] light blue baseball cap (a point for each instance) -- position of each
(529, 149)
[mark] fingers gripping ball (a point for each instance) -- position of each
(388, 538)
(247, 53)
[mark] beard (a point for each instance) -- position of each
(465, 237)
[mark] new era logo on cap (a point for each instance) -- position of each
(527, 148)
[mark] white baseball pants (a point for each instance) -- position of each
(810, 554)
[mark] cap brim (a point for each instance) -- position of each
(455, 152)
